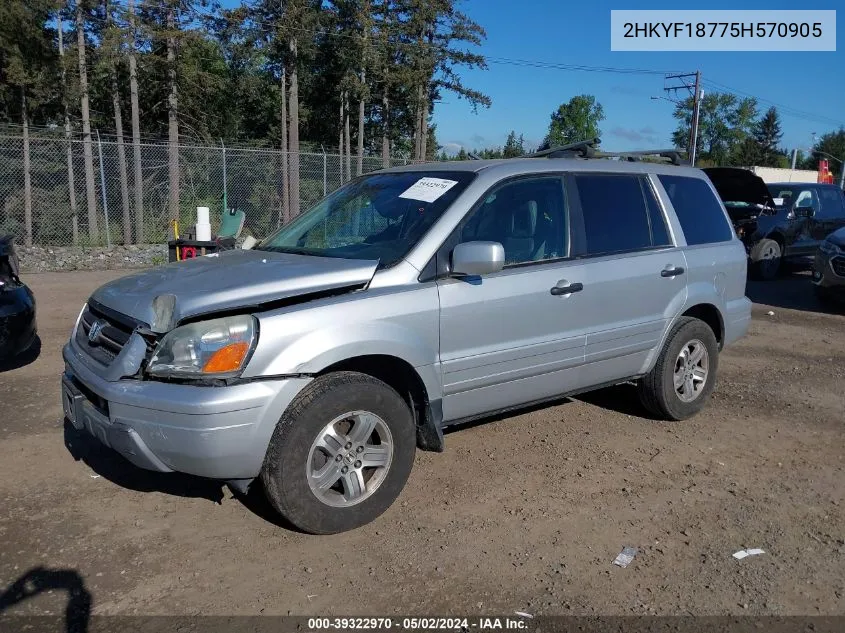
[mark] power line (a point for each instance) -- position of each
(786, 110)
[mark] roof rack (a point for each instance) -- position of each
(587, 149)
(584, 149)
(672, 155)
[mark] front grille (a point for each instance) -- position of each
(112, 336)
(838, 265)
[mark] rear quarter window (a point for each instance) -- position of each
(698, 210)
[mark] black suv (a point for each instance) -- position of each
(778, 221)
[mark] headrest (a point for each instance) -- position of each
(524, 220)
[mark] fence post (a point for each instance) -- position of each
(324, 170)
(103, 190)
(225, 199)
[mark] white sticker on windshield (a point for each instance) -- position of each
(778, 202)
(428, 189)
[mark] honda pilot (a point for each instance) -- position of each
(407, 301)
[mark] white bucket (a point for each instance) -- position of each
(203, 225)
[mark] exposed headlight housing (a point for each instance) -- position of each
(830, 248)
(218, 348)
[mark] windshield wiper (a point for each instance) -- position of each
(285, 249)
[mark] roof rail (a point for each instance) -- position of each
(588, 149)
(584, 149)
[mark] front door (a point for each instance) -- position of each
(518, 335)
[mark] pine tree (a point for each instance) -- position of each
(767, 136)
(514, 146)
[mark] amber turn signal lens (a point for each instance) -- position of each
(228, 358)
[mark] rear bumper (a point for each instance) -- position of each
(737, 319)
(215, 432)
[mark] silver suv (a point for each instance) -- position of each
(407, 301)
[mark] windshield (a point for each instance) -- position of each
(784, 195)
(375, 217)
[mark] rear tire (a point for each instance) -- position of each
(766, 260)
(341, 453)
(682, 379)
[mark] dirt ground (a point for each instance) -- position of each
(524, 512)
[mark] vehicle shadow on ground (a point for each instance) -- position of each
(109, 464)
(623, 399)
(792, 291)
(39, 580)
(23, 359)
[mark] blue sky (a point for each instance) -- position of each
(578, 32)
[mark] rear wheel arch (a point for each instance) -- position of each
(712, 316)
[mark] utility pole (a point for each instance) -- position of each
(692, 83)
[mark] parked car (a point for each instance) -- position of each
(18, 327)
(829, 268)
(778, 222)
(409, 300)
(744, 195)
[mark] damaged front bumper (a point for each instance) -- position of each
(829, 272)
(220, 432)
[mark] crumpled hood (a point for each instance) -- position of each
(735, 184)
(164, 296)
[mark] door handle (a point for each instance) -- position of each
(568, 289)
(672, 271)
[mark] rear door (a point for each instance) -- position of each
(509, 338)
(635, 278)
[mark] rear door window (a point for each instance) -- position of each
(614, 214)
(698, 210)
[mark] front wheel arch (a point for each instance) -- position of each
(401, 376)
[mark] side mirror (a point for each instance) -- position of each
(478, 258)
(804, 212)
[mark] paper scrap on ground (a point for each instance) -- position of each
(747, 552)
(428, 189)
(625, 556)
(523, 614)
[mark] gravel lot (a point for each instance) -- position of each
(524, 512)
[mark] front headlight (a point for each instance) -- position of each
(216, 348)
(830, 248)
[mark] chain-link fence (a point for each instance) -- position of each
(57, 207)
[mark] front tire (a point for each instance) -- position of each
(682, 379)
(766, 260)
(341, 453)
